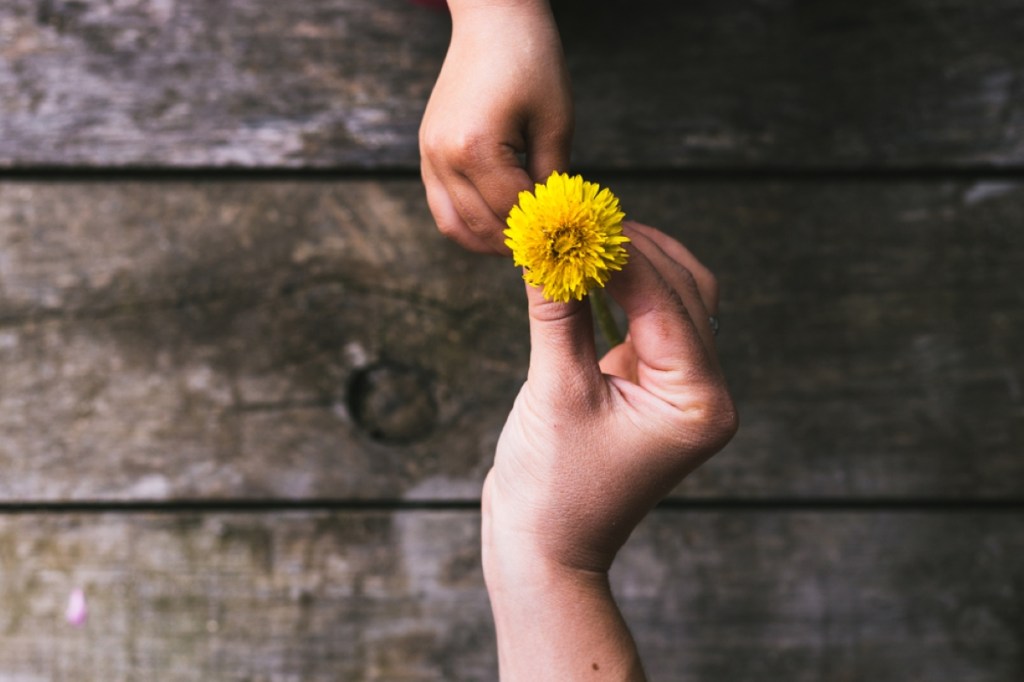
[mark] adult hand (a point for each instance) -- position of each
(503, 92)
(588, 449)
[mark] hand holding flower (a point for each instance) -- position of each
(589, 448)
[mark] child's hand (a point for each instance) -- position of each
(503, 91)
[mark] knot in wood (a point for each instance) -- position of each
(393, 403)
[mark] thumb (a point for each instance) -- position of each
(548, 153)
(549, 133)
(563, 359)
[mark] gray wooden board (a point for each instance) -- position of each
(343, 82)
(299, 340)
(247, 339)
(712, 596)
(237, 83)
(777, 83)
(871, 332)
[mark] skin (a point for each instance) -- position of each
(502, 95)
(591, 445)
(588, 449)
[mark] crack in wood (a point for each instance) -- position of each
(19, 318)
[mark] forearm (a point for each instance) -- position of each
(555, 622)
(457, 6)
(562, 633)
(521, 19)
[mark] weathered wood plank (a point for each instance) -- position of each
(400, 596)
(255, 340)
(870, 333)
(320, 340)
(234, 83)
(777, 83)
(343, 82)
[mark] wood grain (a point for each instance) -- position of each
(202, 344)
(254, 340)
(305, 340)
(400, 596)
(337, 83)
(342, 83)
(868, 331)
(781, 84)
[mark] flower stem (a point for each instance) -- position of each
(603, 315)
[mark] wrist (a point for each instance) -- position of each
(526, 537)
(517, 570)
(553, 620)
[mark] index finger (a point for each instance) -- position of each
(446, 215)
(707, 285)
(672, 359)
(684, 276)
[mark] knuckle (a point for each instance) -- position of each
(688, 278)
(478, 223)
(460, 149)
(467, 150)
(711, 418)
(722, 420)
(700, 279)
(728, 421)
(431, 140)
(555, 313)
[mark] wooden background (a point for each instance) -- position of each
(248, 395)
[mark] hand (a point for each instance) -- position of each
(503, 91)
(588, 449)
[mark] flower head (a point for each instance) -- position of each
(567, 234)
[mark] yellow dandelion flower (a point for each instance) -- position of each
(567, 233)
